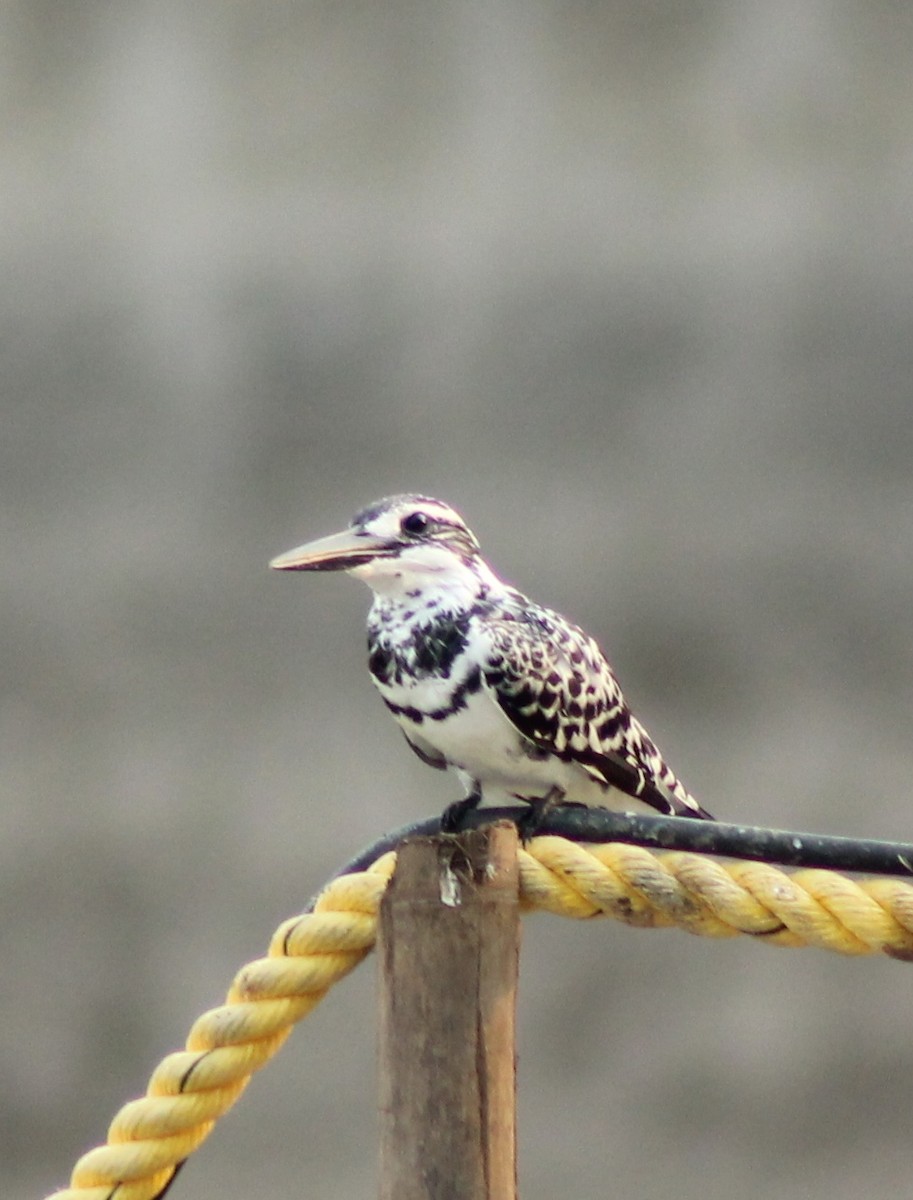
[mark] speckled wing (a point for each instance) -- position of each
(553, 683)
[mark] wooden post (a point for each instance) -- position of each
(448, 949)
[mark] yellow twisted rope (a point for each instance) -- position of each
(191, 1089)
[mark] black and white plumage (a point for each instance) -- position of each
(480, 678)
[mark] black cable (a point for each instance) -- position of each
(581, 824)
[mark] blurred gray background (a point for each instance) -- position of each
(630, 285)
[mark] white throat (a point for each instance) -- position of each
(429, 572)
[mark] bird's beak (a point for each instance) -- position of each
(338, 552)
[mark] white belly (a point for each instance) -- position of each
(484, 747)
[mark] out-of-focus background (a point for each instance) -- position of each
(631, 285)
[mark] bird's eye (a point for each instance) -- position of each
(415, 522)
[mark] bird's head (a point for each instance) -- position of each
(398, 545)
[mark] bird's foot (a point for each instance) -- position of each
(538, 808)
(454, 814)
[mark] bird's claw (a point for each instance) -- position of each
(537, 810)
(453, 816)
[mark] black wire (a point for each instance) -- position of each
(580, 824)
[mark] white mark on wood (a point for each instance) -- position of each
(451, 893)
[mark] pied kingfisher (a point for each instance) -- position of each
(480, 678)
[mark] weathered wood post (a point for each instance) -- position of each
(448, 950)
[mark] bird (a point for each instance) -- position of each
(520, 702)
